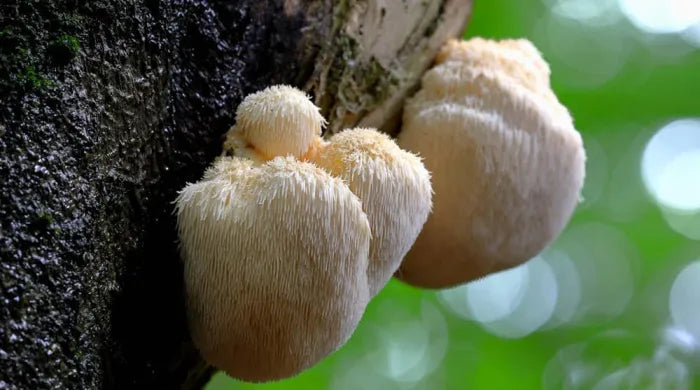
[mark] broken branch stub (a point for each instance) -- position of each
(377, 52)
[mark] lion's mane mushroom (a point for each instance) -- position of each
(516, 58)
(275, 262)
(277, 121)
(275, 249)
(507, 164)
(392, 184)
(395, 190)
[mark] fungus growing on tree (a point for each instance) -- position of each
(392, 184)
(275, 249)
(277, 121)
(275, 259)
(395, 190)
(507, 164)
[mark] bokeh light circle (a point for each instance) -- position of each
(662, 16)
(692, 35)
(511, 303)
(399, 348)
(495, 297)
(404, 347)
(605, 261)
(683, 222)
(490, 298)
(678, 339)
(615, 360)
(659, 372)
(670, 165)
(683, 300)
(580, 56)
(569, 292)
(679, 183)
(671, 174)
(592, 12)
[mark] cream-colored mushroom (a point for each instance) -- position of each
(515, 58)
(395, 190)
(507, 164)
(275, 257)
(278, 121)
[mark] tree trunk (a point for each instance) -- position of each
(108, 108)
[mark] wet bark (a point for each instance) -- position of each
(108, 108)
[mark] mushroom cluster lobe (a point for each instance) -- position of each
(507, 163)
(285, 242)
(275, 265)
(395, 190)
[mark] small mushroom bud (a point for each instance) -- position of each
(275, 265)
(277, 121)
(507, 164)
(395, 190)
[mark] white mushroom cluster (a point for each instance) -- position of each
(287, 238)
(285, 242)
(507, 163)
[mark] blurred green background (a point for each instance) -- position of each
(614, 303)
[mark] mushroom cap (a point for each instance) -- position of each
(484, 89)
(275, 265)
(395, 190)
(513, 58)
(507, 167)
(278, 121)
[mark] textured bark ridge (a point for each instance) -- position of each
(107, 109)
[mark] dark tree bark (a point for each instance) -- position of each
(108, 108)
